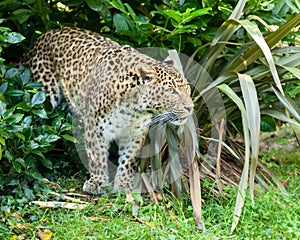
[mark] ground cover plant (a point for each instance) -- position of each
(250, 51)
(274, 215)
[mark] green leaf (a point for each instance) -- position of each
(4, 133)
(12, 72)
(2, 108)
(14, 37)
(253, 119)
(20, 135)
(47, 138)
(121, 23)
(23, 106)
(8, 5)
(34, 174)
(2, 141)
(255, 33)
(21, 15)
(196, 41)
(14, 93)
(223, 34)
(56, 123)
(47, 163)
(272, 39)
(96, 5)
(26, 98)
(40, 112)
(290, 105)
(8, 155)
(282, 117)
(17, 166)
(27, 120)
(14, 128)
(190, 14)
(37, 152)
(15, 118)
(3, 87)
(131, 12)
(25, 76)
(33, 145)
(118, 5)
(52, 138)
(65, 127)
(70, 138)
(268, 124)
(38, 98)
(33, 85)
(176, 15)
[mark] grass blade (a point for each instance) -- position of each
(255, 52)
(229, 149)
(290, 105)
(223, 35)
(174, 162)
(240, 199)
(218, 167)
(294, 71)
(257, 36)
(282, 117)
(191, 147)
(157, 136)
(253, 116)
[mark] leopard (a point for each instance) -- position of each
(117, 91)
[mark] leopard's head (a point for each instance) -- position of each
(160, 90)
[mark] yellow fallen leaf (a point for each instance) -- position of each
(22, 226)
(96, 219)
(172, 217)
(150, 224)
(17, 215)
(47, 235)
(13, 237)
(44, 235)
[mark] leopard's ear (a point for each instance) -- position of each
(146, 75)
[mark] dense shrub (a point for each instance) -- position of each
(29, 128)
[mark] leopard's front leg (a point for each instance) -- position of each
(97, 151)
(129, 148)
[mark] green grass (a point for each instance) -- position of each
(274, 215)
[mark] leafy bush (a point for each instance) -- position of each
(28, 128)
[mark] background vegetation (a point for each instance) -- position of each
(225, 37)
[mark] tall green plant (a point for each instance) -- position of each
(255, 80)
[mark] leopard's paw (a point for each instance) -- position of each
(124, 183)
(94, 186)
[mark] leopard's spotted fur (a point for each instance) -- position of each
(115, 90)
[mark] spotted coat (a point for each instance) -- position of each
(114, 89)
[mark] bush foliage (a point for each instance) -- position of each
(250, 51)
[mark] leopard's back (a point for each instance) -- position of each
(61, 59)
